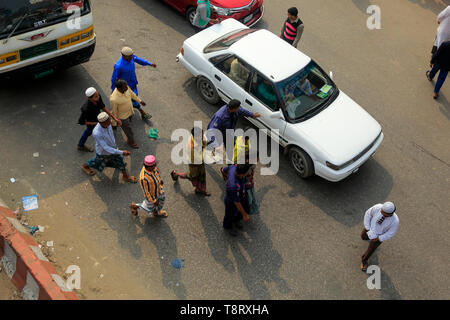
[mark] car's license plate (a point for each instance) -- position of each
(248, 18)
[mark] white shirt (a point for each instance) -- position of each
(105, 143)
(443, 31)
(383, 231)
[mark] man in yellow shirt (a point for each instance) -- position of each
(122, 107)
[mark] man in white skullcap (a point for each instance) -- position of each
(125, 69)
(89, 112)
(380, 224)
(107, 153)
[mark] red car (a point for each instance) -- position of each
(248, 12)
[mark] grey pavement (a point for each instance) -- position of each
(305, 243)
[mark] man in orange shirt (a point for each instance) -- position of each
(152, 186)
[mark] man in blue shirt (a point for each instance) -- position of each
(226, 118)
(125, 69)
(235, 199)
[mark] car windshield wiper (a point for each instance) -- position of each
(25, 15)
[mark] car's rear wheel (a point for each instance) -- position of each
(301, 162)
(207, 90)
(190, 14)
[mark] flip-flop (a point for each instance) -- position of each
(428, 75)
(172, 174)
(364, 266)
(134, 211)
(204, 193)
(163, 214)
(146, 116)
(88, 171)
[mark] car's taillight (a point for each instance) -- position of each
(182, 51)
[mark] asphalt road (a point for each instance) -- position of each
(305, 243)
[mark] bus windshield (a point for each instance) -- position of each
(20, 16)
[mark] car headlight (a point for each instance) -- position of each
(222, 11)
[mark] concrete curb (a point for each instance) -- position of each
(25, 264)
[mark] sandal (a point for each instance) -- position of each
(428, 75)
(163, 214)
(174, 177)
(133, 145)
(134, 209)
(364, 266)
(88, 171)
(205, 193)
(131, 179)
(146, 116)
(435, 95)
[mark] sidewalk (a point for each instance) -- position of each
(65, 242)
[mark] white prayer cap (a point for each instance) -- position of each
(388, 207)
(90, 92)
(102, 117)
(127, 51)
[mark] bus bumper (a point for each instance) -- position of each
(49, 66)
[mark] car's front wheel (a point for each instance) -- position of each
(190, 14)
(301, 162)
(207, 90)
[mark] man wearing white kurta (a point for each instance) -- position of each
(443, 31)
(380, 224)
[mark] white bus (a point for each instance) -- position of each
(38, 37)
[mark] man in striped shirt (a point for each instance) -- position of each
(152, 187)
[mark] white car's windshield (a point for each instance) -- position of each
(227, 40)
(306, 91)
(25, 15)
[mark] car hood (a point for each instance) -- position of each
(230, 3)
(201, 39)
(342, 131)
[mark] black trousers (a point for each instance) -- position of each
(232, 215)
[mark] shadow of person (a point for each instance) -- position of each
(362, 4)
(213, 228)
(117, 216)
(436, 6)
(388, 291)
(159, 233)
(345, 200)
(265, 262)
(444, 107)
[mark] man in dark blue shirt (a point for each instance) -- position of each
(235, 199)
(125, 69)
(226, 118)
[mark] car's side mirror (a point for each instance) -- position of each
(277, 115)
(331, 75)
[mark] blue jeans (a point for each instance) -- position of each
(85, 136)
(441, 78)
(136, 104)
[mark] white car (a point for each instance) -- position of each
(323, 131)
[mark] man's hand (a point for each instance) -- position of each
(431, 65)
(119, 122)
(143, 103)
(154, 65)
(246, 217)
(126, 153)
(256, 115)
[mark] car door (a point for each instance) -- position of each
(262, 98)
(180, 5)
(230, 75)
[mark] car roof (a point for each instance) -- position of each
(273, 57)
